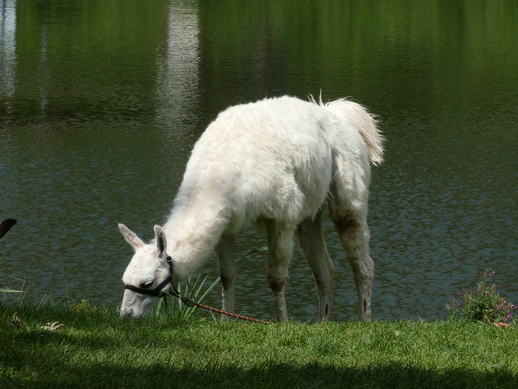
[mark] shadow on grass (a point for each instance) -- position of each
(275, 375)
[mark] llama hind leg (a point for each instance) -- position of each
(280, 249)
(227, 272)
(313, 247)
(354, 235)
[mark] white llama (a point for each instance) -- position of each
(277, 162)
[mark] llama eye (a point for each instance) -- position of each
(146, 284)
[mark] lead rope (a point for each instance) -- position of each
(191, 303)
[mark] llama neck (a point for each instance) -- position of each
(192, 230)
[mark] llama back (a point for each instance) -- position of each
(359, 118)
(264, 159)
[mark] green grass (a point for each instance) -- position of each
(95, 348)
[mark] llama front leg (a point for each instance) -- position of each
(313, 247)
(354, 236)
(280, 249)
(227, 271)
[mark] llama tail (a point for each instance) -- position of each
(364, 122)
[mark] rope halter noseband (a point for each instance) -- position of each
(157, 292)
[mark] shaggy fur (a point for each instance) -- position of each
(277, 161)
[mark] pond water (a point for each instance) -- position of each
(101, 102)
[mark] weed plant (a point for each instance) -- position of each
(196, 290)
(483, 303)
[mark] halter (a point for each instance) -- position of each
(157, 292)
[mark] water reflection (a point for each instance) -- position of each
(177, 83)
(7, 46)
(43, 71)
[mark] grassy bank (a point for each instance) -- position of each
(94, 349)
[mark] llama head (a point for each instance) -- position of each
(147, 274)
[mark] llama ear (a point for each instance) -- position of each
(161, 242)
(130, 236)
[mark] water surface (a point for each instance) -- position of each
(101, 102)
